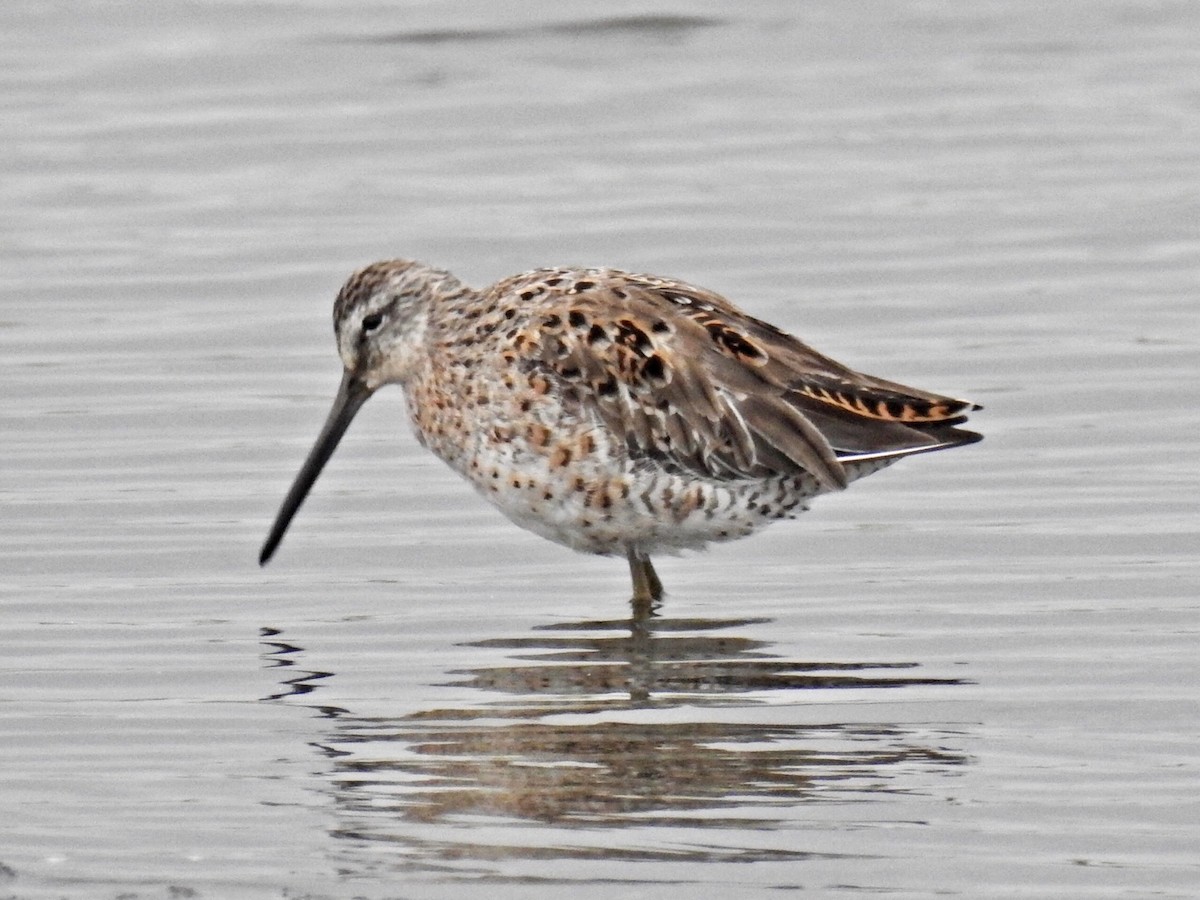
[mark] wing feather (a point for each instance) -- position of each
(685, 378)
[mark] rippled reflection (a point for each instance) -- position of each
(599, 726)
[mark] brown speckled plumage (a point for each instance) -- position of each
(617, 413)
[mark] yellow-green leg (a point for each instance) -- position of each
(647, 588)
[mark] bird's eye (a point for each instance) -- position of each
(371, 322)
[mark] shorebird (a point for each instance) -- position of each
(616, 413)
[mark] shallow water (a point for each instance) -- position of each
(972, 675)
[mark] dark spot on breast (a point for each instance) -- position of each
(584, 285)
(597, 335)
(552, 282)
(570, 373)
(528, 295)
(552, 321)
(660, 327)
(509, 313)
(607, 388)
(577, 319)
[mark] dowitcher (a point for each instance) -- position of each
(616, 413)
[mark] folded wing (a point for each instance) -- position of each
(694, 384)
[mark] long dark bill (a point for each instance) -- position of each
(351, 395)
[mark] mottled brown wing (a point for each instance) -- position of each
(690, 381)
(861, 416)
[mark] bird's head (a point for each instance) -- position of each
(380, 319)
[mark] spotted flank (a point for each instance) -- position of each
(616, 413)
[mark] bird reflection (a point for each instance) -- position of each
(660, 662)
(646, 722)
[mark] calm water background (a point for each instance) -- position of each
(973, 675)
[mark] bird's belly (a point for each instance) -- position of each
(574, 483)
(608, 509)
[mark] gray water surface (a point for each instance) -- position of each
(973, 675)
